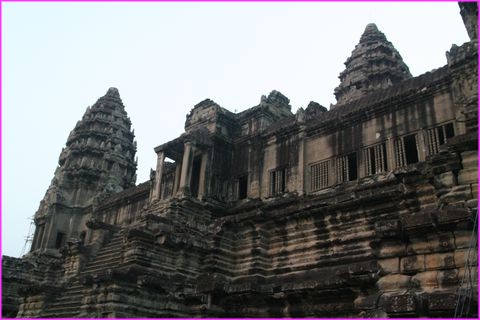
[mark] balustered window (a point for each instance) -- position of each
(406, 150)
(277, 181)
(375, 159)
(319, 175)
(346, 167)
(438, 136)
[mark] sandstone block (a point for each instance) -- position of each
(467, 176)
(398, 303)
(391, 265)
(420, 245)
(392, 249)
(367, 303)
(460, 257)
(439, 261)
(412, 264)
(462, 238)
(444, 180)
(450, 215)
(448, 278)
(474, 189)
(441, 301)
(417, 220)
(393, 282)
(469, 159)
(426, 280)
(469, 273)
(472, 203)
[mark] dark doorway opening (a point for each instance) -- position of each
(411, 152)
(242, 187)
(60, 240)
(352, 166)
(195, 182)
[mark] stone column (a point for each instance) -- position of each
(301, 177)
(186, 173)
(421, 145)
(390, 145)
(158, 175)
(203, 169)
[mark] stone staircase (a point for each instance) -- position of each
(109, 256)
(68, 303)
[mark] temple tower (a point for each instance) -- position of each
(463, 65)
(374, 64)
(98, 160)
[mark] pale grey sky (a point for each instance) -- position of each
(59, 58)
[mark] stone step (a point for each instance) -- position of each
(69, 294)
(99, 267)
(111, 249)
(69, 313)
(103, 262)
(66, 304)
(97, 270)
(108, 257)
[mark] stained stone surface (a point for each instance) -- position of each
(366, 210)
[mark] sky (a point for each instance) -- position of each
(59, 58)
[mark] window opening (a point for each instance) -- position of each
(406, 150)
(195, 182)
(346, 168)
(411, 151)
(277, 181)
(375, 159)
(60, 240)
(438, 136)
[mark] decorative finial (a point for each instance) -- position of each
(113, 92)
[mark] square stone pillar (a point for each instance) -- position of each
(186, 172)
(203, 174)
(158, 175)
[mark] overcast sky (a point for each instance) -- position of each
(59, 58)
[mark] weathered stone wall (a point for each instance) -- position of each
(243, 224)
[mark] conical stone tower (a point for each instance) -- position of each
(374, 64)
(98, 160)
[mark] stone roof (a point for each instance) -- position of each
(369, 102)
(373, 100)
(125, 194)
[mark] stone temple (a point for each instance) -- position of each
(366, 210)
